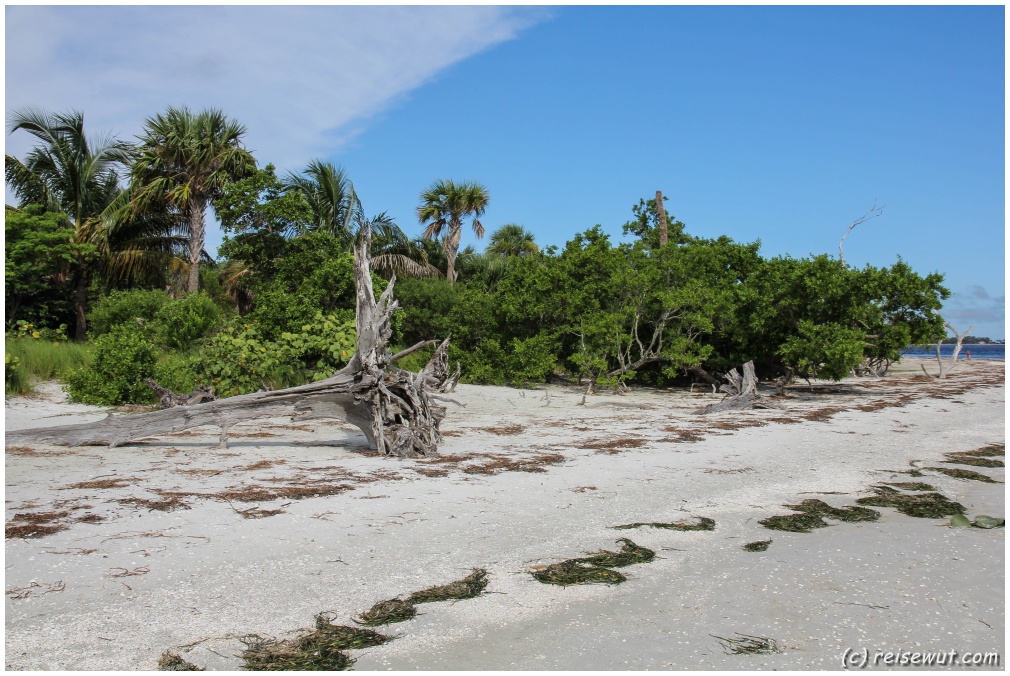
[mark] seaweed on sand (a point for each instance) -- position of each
(704, 523)
(912, 486)
(574, 571)
(387, 612)
(595, 568)
(747, 645)
(922, 505)
(470, 586)
(990, 451)
(964, 474)
(630, 553)
(169, 661)
(794, 523)
(849, 513)
(758, 546)
(31, 530)
(811, 514)
(320, 650)
(970, 458)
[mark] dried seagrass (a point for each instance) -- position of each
(387, 612)
(470, 586)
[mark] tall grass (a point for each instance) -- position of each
(39, 360)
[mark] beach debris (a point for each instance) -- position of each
(168, 504)
(921, 505)
(167, 398)
(811, 514)
(964, 474)
(971, 458)
(469, 587)
(758, 546)
(399, 610)
(703, 523)
(320, 650)
(169, 661)
(989, 451)
(35, 524)
(630, 553)
(912, 486)
(745, 644)
(595, 568)
(986, 521)
(741, 393)
(959, 521)
(573, 572)
(387, 612)
(33, 586)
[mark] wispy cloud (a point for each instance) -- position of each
(975, 306)
(303, 79)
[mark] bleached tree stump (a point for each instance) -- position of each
(741, 392)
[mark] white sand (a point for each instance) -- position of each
(141, 582)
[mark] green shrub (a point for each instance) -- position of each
(176, 372)
(181, 322)
(116, 376)
(484, 364)
(121, 308)
(239, 360)
(530, 360)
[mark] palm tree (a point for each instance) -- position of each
(184, 161)
(394, 252)
(71, 174)
(335, 205)
(444, 205)
(512, 240)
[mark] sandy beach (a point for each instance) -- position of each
(174, 544)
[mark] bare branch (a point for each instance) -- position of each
(871, 213)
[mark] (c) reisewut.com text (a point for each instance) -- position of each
(860, 658)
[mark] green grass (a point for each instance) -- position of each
(40, 360)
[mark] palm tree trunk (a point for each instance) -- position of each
(661, 209)
(81, 303)
(197, 207)
(451, 246)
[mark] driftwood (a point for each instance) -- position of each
(395, 409)
(741, 392)
(947, 368)
(167, 398)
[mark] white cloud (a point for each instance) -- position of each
(976, 307)
(302, 79)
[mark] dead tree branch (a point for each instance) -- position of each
(944, 370)
(871, 213)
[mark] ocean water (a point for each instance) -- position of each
(977, 351)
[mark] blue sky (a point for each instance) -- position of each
(782, 124)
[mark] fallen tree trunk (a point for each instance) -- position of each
(741, 392)
(395, 409)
